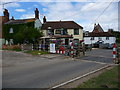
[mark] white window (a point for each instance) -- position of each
(11, 30)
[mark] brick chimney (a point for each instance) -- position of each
(36, 13)
(44, 19)
(6, 15)
(12, 18)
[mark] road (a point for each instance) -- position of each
(99, 55)
(25, 71)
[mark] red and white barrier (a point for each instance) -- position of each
(114, 53)
(57, 51)
(60, 52)
(72, 49)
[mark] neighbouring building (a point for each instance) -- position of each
(1, 37)
(61, 30)
(3, 19)
(12, 24)
(98, 36)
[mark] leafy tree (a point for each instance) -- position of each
(27, 35)
(117, 35)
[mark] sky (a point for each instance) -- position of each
(85, 13)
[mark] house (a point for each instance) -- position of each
(3, 19)
(12, 25)
(61, 30)
(1, 37)
(98, 36)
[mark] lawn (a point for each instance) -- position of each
(107, 79)
(35, 52)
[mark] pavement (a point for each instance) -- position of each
(20, 70)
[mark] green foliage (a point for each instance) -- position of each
(117, 35)
(21, 32)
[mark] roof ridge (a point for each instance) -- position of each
(25, 19)
(60, 21)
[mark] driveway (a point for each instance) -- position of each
(26, 71)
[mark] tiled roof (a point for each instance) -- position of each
(61, 24)
(20, 21)
(100, 34)
(97, 28)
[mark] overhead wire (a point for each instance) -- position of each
(94, 21)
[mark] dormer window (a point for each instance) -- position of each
(11, 30)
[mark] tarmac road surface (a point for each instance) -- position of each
(25, 71)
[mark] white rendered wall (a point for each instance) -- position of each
(87, 40)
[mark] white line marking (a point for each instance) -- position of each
(93, 61)
(78, 77)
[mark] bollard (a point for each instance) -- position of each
(114, 53)
(72, 50)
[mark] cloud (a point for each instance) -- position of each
(10, 5)
(20, 10)
(59, 0)
(28, 15)
(84, 14)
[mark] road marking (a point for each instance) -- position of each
(98, 56)
(77, 78)
(94, 61)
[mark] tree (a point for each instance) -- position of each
(117, 35)
(27, 35)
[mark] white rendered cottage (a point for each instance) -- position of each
(98, 36)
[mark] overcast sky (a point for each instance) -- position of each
(81, 11)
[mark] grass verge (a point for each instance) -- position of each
(12, 49)
(107, 79)
(35, 52)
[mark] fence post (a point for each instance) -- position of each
(22, 47)
(32, 47)
(39, 47)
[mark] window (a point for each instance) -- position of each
(76, 31)
(107, 38)
(11, 30)
(58, 31)
(61, 31)
(64, 32)
(92, 38)
(51, 32)
(99, 38)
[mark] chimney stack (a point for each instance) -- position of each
(6, 15)
(12, 18)
(94, 25)
(36, 13)
(44, 19)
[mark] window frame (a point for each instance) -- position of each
(77, 32)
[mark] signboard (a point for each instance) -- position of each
(52, 48)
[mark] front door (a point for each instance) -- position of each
(66, 41)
